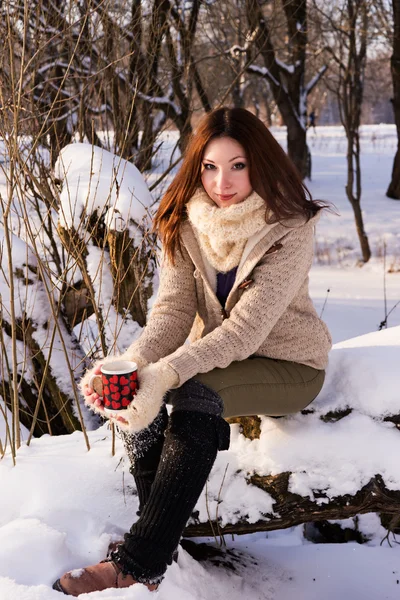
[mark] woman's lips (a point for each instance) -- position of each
(225, 198)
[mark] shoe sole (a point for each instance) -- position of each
(58, 587)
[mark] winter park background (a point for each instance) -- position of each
(61, 505)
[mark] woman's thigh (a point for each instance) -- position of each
(264, 386)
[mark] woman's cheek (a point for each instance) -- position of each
(206, 179)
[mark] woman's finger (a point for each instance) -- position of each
(117, 418)
(121, 419)
(94, 400)
(96, 384)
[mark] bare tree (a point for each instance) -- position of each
(286, 76)
(347, 28)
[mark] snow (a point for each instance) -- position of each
(284, 66)
(115, 325)
(97, 180)
(61, 506)
(264, 72)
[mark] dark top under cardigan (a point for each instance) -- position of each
(225, 283)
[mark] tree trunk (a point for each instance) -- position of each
(362, 236)
(393, 190)
(394, 187)
(286, 82)
(131, 270)
(354, 197)
(298, 150)
(350, 93)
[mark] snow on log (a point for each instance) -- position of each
(48, 357)
(336, 459)
(104, 219)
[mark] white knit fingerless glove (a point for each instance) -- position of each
(154, 382)
(87, 379)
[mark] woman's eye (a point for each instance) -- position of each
(239, 166)
(208, 166)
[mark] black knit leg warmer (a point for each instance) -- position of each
(192, 440)
(144, 450)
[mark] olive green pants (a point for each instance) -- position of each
(264, 386)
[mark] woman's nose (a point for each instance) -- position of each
(223, 180)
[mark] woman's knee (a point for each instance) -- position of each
(195, 396)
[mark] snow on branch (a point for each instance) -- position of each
(97, 181)
(263, 72)
(235, 50)
(163, 102)
(287, 68)
(313, 82)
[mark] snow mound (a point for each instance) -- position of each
(95, 180)
(343, 440)
(30, 537)
(363, 374)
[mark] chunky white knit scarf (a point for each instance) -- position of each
(223, 232)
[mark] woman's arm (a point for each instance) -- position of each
(167, 329)
(276, 281)
(173, 313)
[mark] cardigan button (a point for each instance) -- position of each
(245, 284)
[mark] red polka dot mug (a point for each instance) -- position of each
(120, 384)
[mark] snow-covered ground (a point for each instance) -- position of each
(61, 505)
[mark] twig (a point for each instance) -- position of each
(221, 535)
(384, 281)
(326, 299)
(384, 323)
(163, 176)
(395, 522)
(209, 516)
(112, 439)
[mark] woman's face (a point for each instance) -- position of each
(225, 172)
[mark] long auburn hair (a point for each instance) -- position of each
(272, 174)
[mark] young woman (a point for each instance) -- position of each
(237, 228)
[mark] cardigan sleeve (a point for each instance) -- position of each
(277, 279)
(173, 312)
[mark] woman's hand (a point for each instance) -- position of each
(92, 389)
(93, 394)
(154, 381)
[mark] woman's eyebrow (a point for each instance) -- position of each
(232, 159)
(236, 158)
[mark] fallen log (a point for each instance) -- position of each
(293, 509)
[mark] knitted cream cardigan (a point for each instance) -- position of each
(269, 309)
